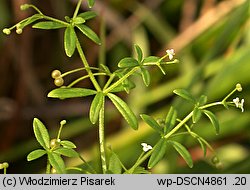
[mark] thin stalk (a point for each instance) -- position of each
(86, 65)
(117, 83)
(77, 8)
(102, 139)
(84, 77)
(48, 167)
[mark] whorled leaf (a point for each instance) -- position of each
(213, 120)
(96, 106)
(185, 94)
(87, 15)
(124, 110)
(159, 151)
(145, 76)
(70, 41)
(66, 152)
(63, 93)
(128, 62)
(89, 33)
(124, 87)
(152, 123)
(36, 154)
(91, 3)
(196, 114)
(114, 164)
(139, 53)
(183, 152)
(48, 25)
(151, 60)
(41, 133)
(67, 144)
(170, 120)
(56, 162)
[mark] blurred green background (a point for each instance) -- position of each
(211, 39)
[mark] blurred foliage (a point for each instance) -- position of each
(211, 62)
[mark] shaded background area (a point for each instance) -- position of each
(211, 39)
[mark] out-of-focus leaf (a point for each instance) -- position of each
(114, 164)
(185, 94)
(152, 123)
(139, 52)
(183, 152)
(124, 110)
(196, 115)
(170, 120)
(128, 62)
(87, 15)
(145, 76)
(158, 152)
(66, 152)
(91, 3)
(213, 120)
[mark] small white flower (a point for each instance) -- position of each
(146, 147)
(170, 53)
(238, 103)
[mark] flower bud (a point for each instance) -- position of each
(215, 160)
(53, 171)
(54, 143)
(6, 31)
(24, 7)
(239, 87)
(5, 165)
(63, 122)
(19, 31)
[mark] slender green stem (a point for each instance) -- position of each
(48, 167)
(88, 165)
(5, 171)
(56, 20)
(84, 77)
(77, 8)
(117, 83)
(102, 139)
(229, 95)
(85, 63)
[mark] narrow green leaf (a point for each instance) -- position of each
(141, 170)
(203, 146)
(35, 154)
(145, 76)
(139, 53)
(114, 164)
(152, 123)
(89, 33)
(48, 25)
(196, 114)
(151, 60)
(159, 151)
(183, 152)
(56, 162)
(124, 110)
(213, 120)
(41, 133)
(202, 100)
(96, 106)
(66, 152)
(67, 144)
(125, 86)
(79, 20)
(70, 41)
(170, 120)
(184, 94)
(30, 20)
(91, 3)
(70, 93)
(128, 62)
(87, 15)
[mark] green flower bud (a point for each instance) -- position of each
(54, 143)
(5, 165)
(63, 122)
(19, 31)
(24, 7)
(6, 31)
(239, 87)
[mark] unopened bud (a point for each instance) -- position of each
(239, 87)
(19, 31)
(6, 31)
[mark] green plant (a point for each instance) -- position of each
(116, 81)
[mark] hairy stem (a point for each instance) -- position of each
(102, 139)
